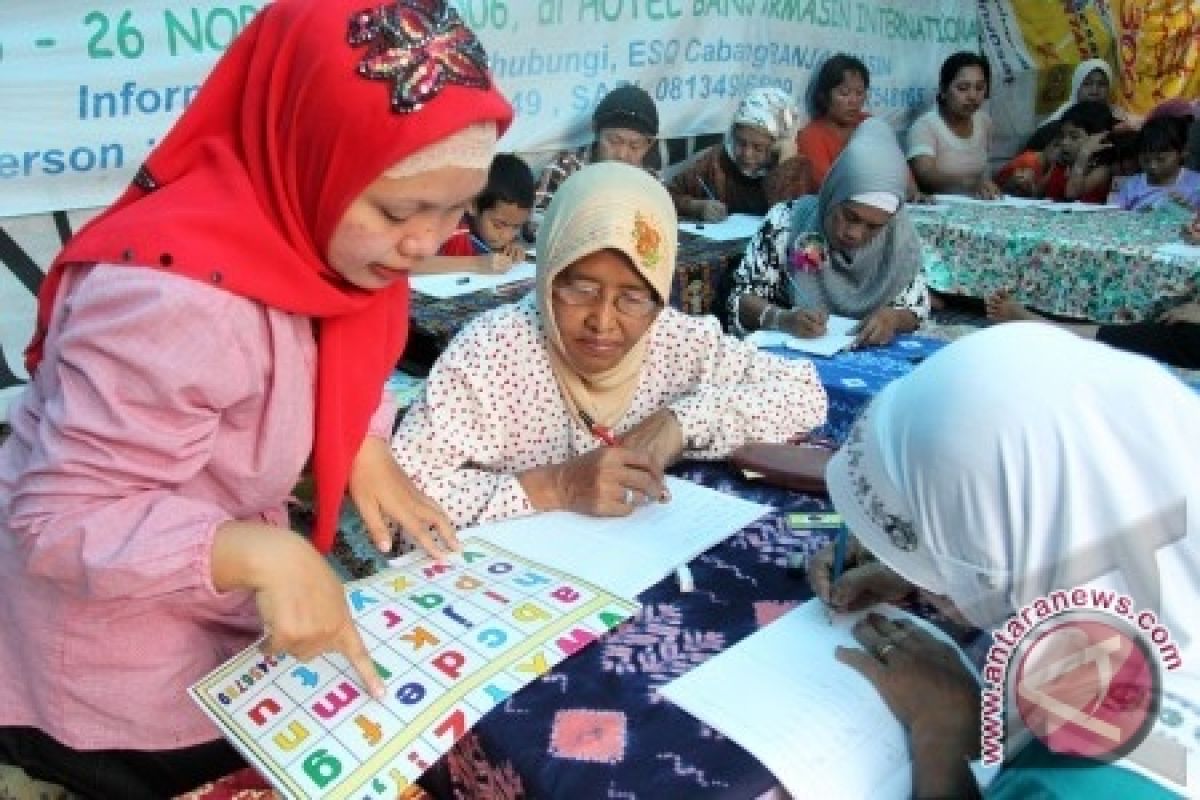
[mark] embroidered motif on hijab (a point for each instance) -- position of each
(145, 180)
(898, 529)
(647, 241)
(420, 46)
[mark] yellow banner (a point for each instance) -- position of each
(1152, 45)
(1158, 50)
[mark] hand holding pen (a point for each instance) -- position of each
(609, 481)
(858, 582)
(711, 209)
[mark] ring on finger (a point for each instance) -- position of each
(628, 497)
(882, 651)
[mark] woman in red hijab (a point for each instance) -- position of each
(233, 316)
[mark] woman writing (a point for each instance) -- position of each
(851, 250)
(1015, 464)
(752, 170)
(580, 395)
(237, 308)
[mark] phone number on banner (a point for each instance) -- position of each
(702, 87)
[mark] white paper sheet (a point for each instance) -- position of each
(627, 555)
(816, 723)
(735, 226)
(837, 337)
(1178, 250)
(454, 284)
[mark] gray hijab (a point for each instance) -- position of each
(855, 284)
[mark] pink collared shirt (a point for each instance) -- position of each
(163, 408)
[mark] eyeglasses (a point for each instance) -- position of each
(629, 302)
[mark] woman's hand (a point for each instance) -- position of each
(658, 437)
(382, 491)
(604, 482)
(803, 323)
(987, 189)
(1188, 312)
(863, 583)
(710, 210)
(932, 694)
(300, 599)
(882, 326)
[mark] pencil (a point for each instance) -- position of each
(707, 190)
(839, 561)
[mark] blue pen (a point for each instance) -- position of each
(707, 190)
(839, 561)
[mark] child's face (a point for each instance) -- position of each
(396, 223)
(1161, 166)
(1070, 139)
(499, 225)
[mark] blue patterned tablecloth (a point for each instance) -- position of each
(851, 378)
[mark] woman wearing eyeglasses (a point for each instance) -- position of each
(580, 395)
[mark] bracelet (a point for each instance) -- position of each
(762, 316)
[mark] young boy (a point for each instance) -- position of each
(1163, 179)
(1072, 167)
(488, 239)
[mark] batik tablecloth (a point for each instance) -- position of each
(1097, 265)
(595, 726)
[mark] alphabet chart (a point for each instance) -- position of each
(451, 639)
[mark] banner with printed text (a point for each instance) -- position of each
(89, 87)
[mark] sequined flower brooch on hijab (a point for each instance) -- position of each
(809, 253)
(420, 46)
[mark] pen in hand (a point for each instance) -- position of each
(839, 565)
(683, 575)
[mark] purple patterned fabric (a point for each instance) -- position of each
(596, 726)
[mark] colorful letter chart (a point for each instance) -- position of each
(451, 639)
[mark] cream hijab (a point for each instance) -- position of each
(1023, 459)
(609, 205)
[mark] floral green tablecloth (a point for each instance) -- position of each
(1098, 265)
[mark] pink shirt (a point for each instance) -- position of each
(164, 407)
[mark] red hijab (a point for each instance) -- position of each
(309, 106)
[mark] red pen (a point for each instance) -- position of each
(599, 431)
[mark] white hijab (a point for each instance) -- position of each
(1007, 465)
(1080, 74)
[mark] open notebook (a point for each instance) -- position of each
(454, 284)
(816, 723)
(838, 336)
